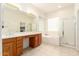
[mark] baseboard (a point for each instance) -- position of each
(68, 46)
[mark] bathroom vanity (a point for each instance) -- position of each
(13, 44)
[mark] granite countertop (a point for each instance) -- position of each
(11, 35)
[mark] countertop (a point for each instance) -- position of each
(12, 35)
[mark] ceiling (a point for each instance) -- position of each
(50, 7)
(46, 8)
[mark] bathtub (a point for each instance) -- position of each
(53, 38)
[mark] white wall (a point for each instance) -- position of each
(62, 13)
(77, 25)
(77, 30)
(0, 30)
(12, 19)
(40, 20)
(65, 14)
(40, 17)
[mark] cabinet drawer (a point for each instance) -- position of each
(19, 38)
(9, 40)
(6, 41)
(20, 41)
(9, 44)
(19, 45)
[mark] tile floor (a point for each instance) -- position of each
(50, 50)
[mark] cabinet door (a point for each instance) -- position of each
(14, 51)
(19, 51)
(34, 41)
(38, 39)
(7, 49)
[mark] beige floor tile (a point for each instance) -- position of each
(50, 50)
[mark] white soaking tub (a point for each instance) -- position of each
(51, 38)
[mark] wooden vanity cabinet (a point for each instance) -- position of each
(13, 46)
(35, 40)
(9, 47)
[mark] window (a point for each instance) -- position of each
(53, 24)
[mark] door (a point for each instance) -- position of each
(69, 32)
